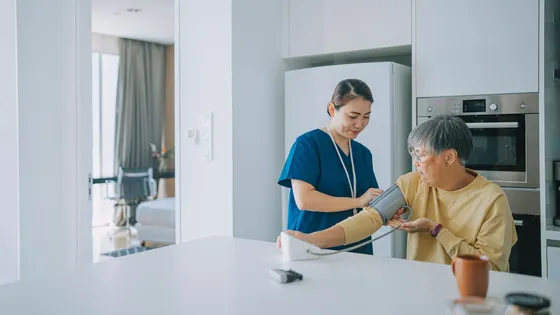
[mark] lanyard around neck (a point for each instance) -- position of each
(352, 189)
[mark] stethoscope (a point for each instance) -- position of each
(352, 188)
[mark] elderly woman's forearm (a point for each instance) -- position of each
(455, 246)
(331, 237)
(360, 226)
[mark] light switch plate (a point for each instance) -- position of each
(193, 135)
(206, 136)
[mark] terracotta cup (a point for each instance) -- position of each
(472, 274)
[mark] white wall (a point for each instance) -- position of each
(9, 214)
(231, 68)
(258, 118)
(54, 55)
(205, 84)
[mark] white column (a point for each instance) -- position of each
(9, 211)
(230, 65)
(205, 82)
(54, 71)
(258, 118)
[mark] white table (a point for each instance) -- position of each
(221, 275)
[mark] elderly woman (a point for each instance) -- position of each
(455, 210)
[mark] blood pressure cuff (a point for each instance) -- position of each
(388, 203)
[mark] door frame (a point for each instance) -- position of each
(84, 144)
(177, 116)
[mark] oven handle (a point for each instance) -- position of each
(518, 222)
(482, 125)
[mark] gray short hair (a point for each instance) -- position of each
(443, 132)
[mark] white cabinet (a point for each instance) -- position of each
(553, 263)
(365, 24)
(329, 26)
(475, 47)
(306, 22)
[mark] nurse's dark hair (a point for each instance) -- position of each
(349, 89)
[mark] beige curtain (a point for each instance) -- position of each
(140, 102)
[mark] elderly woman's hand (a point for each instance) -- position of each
(398, 215)
(418, 225)
(396, 220)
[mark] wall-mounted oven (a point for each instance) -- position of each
(505, 131)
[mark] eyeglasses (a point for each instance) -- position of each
(415, 157)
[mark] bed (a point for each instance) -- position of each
(156, 221)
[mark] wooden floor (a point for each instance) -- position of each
(104, 241)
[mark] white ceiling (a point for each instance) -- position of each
(154, 22)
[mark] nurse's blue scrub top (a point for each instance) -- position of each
(313, 159)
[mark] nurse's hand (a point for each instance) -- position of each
(368, 196)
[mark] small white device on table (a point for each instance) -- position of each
(387, 204)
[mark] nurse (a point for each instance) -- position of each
(330, 174)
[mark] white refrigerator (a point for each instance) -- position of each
(307, 93)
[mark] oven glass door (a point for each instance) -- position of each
(499, 143)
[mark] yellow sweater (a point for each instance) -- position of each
(476, 219)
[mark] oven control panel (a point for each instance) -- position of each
(525, 103)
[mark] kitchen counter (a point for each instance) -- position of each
(220, 275)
